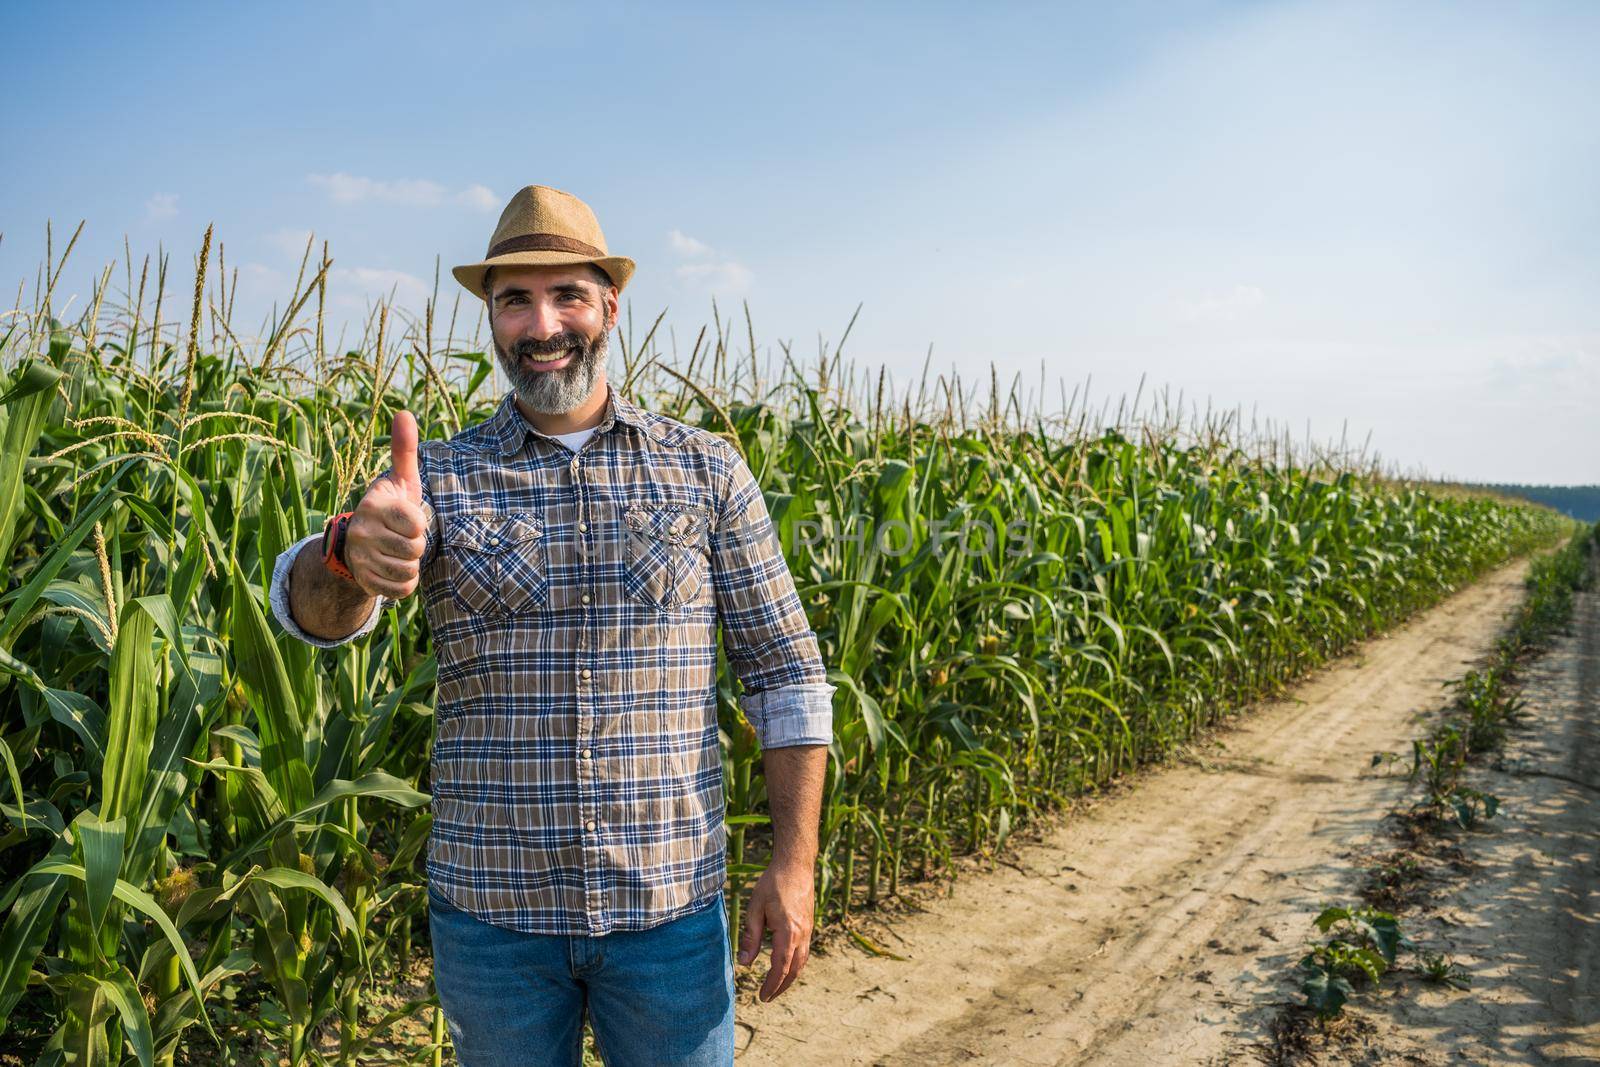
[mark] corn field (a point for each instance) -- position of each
(213, 833)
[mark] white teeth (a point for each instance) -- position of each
(554, 358)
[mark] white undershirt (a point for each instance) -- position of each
(575, 439)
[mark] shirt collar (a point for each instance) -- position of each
(509, 428)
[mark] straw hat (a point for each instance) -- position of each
(542, 227)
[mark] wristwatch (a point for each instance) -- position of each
(333, 545)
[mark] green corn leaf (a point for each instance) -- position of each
(16, 783)
(286, 878)
(871, 713)
(256, 787)
(160, 608)
(10, 664)
(26, 405)
(283, 757)
(249, 744)
(748, 820)
(131, 715)
(82, 1035)
(33, 904)
(123, 993)
(276, 948)
(166, 784)
(100, 846)
(85, 600)
(83, 717)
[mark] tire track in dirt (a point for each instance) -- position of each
(1155, 927)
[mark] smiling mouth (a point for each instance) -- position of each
(552, 361)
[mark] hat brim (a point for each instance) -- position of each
(620, 268)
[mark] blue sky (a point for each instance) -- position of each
(1357, 218)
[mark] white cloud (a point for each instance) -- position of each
(708, 269)
(479, 197)
(685, 245)
(161, 206)
(1230, 306)
(345, 188)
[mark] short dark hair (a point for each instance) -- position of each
(601, 278)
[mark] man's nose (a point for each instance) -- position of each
(545, 322)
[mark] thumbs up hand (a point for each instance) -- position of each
(385, 539)
(403, 456)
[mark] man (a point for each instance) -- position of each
(576, 556)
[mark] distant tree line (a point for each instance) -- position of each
(1582, 502)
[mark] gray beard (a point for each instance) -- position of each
(557, 392)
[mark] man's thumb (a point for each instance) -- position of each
(403, 454)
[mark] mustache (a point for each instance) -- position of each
(551, 346)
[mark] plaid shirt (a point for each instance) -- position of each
(574, 600)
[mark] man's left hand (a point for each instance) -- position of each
(783, 901)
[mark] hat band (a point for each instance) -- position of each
(543, 242)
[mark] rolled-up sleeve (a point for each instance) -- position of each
(791, 714)
(278, 594)
(282, 570)
(769, 641)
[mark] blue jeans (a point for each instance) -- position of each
(657, 996)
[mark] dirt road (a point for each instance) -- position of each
(1158, 927)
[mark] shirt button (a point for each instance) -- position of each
(585, 754)
(583, 527)
(584, 598)
(574, 466)
(589, 826)
(584, 673)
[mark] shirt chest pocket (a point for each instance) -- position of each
(665, 563)
(500, 565)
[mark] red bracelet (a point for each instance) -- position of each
(333, 545)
